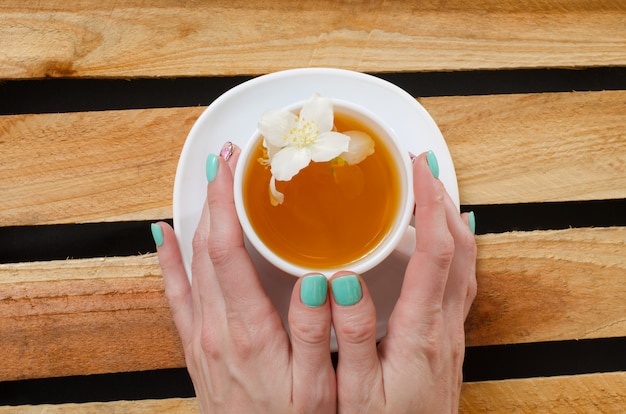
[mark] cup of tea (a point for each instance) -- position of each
(350, 201)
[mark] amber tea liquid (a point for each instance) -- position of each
(332, 214)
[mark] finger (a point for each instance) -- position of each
(230, 153)
(359, 375)
(419, 306)
(176, 283)
(427, 270)
(309, 325)
(462, 286)
(209, 306)
(206, 291)
(462, 267)
(240, 286)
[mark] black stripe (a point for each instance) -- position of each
(76, 241)
(481, 364)
(500, 218)
(69, 95)
(545, 359)
(158, 384)
(75, 95)
(488, 82)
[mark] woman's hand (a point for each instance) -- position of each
(417, 366)
(239, 356)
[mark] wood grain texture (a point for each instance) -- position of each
(109, 315)
(583, 394)
(120, 165)
(176, 38)
(90, 166)
(164, 406)
(85, 316)
(535, 147)
(91, 316)
(549, 285)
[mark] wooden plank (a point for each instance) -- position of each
(120, 165)
(584, 394)
(109, 315)
(535, 147)
(90, 166)
(134, 39)
(85, 316)
(549, 286)
(164, 406)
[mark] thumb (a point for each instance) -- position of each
(309, 325)
(359, 374)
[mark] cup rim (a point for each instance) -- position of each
(371, 259)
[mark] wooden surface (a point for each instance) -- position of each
(583, 394)
(131, 155)
(549, 286)
(88, 316)
(535, 147)
(173, 38)
(109, 315)
(506, 149)
(165, 406)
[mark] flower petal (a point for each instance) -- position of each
(276, 197)
(320, 110)
(275, 125)
(271, 149)
(328, 146)
(289, 161)
(361, 147)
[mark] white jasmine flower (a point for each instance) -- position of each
(293, 141)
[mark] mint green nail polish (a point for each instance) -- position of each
(211, 167)
(313, 290)
(471, 217)
(346, 290)
(157, 234)
(432, 163)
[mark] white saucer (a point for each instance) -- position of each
(234, 117)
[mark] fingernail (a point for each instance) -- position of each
(157, 234)
(471, 217)
(211, 167)
(313, 289)
(227, 150)
(346, 290)
(432, 163)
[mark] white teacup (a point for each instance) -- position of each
(399, 238)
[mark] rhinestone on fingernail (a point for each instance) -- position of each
(413, 157)
(227, 150)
